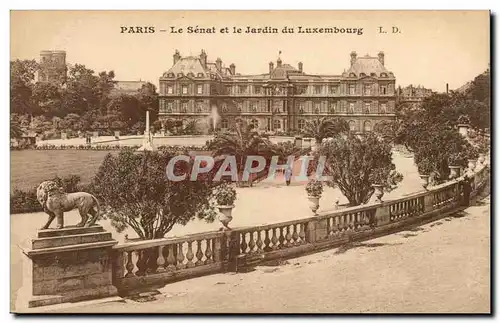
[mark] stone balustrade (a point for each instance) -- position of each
(135, 265)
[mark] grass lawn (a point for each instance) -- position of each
(31, 167)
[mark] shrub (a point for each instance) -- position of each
(225, 194)
(314, 188)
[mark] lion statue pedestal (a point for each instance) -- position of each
(67, 265)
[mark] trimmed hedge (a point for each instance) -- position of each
(26, 202)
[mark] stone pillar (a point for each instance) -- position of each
(382, 215)
(67, 265)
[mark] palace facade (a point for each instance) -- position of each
(282, 99)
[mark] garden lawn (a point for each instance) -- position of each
(31, 167)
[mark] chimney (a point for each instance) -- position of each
(218, 64)
(446, 88)
(203, 58)
(177, 56)
(353, 58)
(271, 67)
(381, 57)
(300, 66)
(232, 67)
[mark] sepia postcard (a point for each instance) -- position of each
(250, 162)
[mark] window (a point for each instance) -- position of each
(255, 123)
(351, 107)
(302, 89)
(276, 124)
(199, 75)
(333, 106)
(180, 74)
(368, 89)
(317, 89)
(184, 107)
(239, 106)
(184, 89)
(228, 89)
(367, 127)
(253, 107)
(301, 107)
(352, 75)
(170, 89)
(190, 74)
(224, 108)
(199, 89)
(352, 125)
(383, 108)
(383, 75)
(257, 89)
(367, 107)
(333, 89)
(224, 124)
(362, 74)
(352, 89)
(242, 89)
(199, 107)
(317, 107)
(383, 89)
(301, 124)
(170, 107)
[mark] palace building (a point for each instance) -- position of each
(282, 99)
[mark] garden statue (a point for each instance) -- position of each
(55, 202)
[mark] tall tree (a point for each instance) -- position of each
(322, 128)
(22, 78)
(355, 164)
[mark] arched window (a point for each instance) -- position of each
(276, 124)
(352, 125)
(200, 75)
(362, 74)
(301, 124)
(255, 123)
(352, 75)
(190, 74)
(367, 126)
(180, 74)
(224, 124)
(383, 75)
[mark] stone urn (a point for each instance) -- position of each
(481, 159)
(454, 172)
(424, 180)
(379, 192)
(313, 203)
(472, 164)
(225, 215)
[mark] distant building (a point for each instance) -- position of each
(282, 99)
(126, 87)
(413, 94)
(52, 66)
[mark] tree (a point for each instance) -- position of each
(22, 77)
(322, 128)
(148, 100)
(15, 129)
(242, 143)
(355, 164)
(134, 193)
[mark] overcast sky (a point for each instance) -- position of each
(433, 48)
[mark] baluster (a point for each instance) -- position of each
(199, 254)
(337, 225)
(274, 240)
(180, 257)
(350, 221)
(190, 255)
(141, 263)
(302, 233)
(259, 242)
(251, 243)
(281, 237)
(295, 234)
(208, 252)
(130, 265)
(244, 242)
(160, 262)
(171, 258)
(267, 241)
(288, 237)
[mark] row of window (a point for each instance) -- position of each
(368, 89)
(277, 125)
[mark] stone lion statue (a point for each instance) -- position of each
(55, 202)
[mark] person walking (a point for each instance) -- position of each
(288, 175)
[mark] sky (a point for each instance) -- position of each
(431, 48)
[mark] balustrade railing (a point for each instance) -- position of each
(159, 261)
